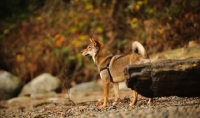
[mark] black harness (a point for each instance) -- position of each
(107, 68)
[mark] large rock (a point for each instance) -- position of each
(85, 88)
(42, 84)
(192, 51)
(10, 85)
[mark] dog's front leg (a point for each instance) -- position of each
(135, 94)
(116, 90)
(106, 93)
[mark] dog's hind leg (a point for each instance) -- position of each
(116, 91)
(135, 94)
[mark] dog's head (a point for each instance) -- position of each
(92, 48)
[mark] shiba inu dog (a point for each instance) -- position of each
(111, 67)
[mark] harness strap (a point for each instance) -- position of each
(107, 68)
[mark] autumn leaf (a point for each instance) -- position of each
(39, 18)
(99, 29)
(150, 11)
(134, 23)
(83, 37)
(20, 57)
(59, 40)
(76, 43)
(89, 6)
(6, 31)
(73, 29)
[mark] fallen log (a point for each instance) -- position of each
(165, 78)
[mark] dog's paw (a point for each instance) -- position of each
(115, 103)
(132, 104)
(102, 106)
(150, 101)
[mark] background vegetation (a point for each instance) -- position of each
(38, 36)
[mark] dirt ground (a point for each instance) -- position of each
(86, 105)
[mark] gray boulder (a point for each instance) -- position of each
(86, 87)
(10, 85)
(42, 84)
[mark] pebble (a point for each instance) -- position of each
(164, 107)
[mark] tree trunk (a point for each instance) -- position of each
(165, 78)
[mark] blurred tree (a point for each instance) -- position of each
(45, 35)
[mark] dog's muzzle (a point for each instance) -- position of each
(84, 54)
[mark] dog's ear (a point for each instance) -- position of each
(93, 41)
(96, 42)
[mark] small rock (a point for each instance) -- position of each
(113, 107)
(10, 85)
(42, 84)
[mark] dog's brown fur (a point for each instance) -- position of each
(102, 58)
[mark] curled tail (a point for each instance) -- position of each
(138, 48)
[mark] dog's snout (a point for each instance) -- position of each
(82, 51)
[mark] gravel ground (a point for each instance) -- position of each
(58, 106)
